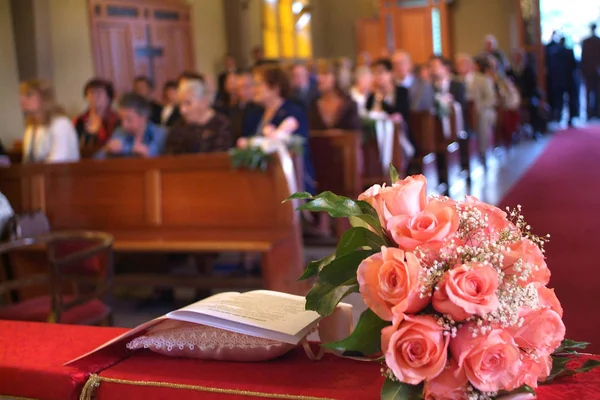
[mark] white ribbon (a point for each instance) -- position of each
(458, 117)
(287, 165)
(384, 129)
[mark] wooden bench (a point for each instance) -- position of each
(192, 204)
(422, 125)
(374, 172)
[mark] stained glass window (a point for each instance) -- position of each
(286, 29)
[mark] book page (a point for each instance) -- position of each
(274, 311)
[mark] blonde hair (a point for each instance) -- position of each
(49, 106)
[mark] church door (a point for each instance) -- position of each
(141, 37)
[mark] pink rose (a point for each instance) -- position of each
(450, 384)
(436, 222)
(389, 283)
(491, 361)
(533, 370)
(467, 290)
(543, 330)
(526, 254)
(415, 349)
(548, 299)
(496, 218)
(405, 197)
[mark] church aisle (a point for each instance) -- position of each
(560, 195)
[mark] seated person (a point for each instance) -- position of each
(363, 82)
(333, 109)
(304, 88)
(204, 129)
(137, 136)
(444, 83)
(272, 92)
(170, 112)
(143, 86)
(245, 104)
(226, 98)
(420, 92)
(95, 126)
(49, 134)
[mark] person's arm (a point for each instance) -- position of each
(157, 146)
(64, 144)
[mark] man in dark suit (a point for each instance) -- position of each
(143, 86)
(445, 83)
(304, 89)
(590, 69)
(562, 80)
(245, 105)
(525, 79)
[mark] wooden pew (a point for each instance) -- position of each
(192, 204)
(422, 125)
(16, 155)
(373, 170)
(447, 153)
(337, 157)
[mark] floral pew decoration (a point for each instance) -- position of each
(256, 151)
(457, 296)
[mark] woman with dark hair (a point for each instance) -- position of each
(170, 113)
(333, 109)
(96, 125)
(49, 134)
(272, 91)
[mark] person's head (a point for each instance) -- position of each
(270, 83)
(440, 68)
(364, 59)
(593, 27)
(230, 83)
(517, 57)
(143, 86)
(134, 111)
(482, 64)
(257, 53)
(327, 76)
(492, 65)
(38, 101)
(194, 100)
(170, 92)
(382, 73)
(99, 94)
(464, 64)
(243, 86)
(490, 43)
(300, 78)
(363, 79)
(563, 41)
(402, 64)
(423, 72)
(190, 76)
(229, 62)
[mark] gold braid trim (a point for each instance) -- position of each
(3, 397)
(94, 382)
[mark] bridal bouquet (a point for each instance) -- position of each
(254, 152)
(457, 296)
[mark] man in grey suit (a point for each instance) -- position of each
(420, 92)
(590, 69)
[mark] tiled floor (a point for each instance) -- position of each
(504, 169)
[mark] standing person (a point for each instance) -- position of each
(143, 86)
(96, 125)
(590, 69)
(445, 83)
(49, 135)
(304, 89)
(490, 48)
(137, 136)
(562, 75)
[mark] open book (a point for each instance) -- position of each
(262, 313)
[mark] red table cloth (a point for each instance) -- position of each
(31, 358)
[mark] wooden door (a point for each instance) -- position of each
(370, 36)
(141, 37)
(413, 33)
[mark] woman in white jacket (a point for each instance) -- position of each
(49, 134)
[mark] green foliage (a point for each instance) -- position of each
(252, 158)
(571, 346)
(366, 337)
(520, 390)
(324, 297)
(394, 175)
(394, 390)
(343, 268)
(358, 237)
(313, 267)
(568, 351)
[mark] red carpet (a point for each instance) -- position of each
(560, 195)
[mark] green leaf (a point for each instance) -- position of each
(519, 390)
(559, 368)
(358, 237)
(334, 205)
(366, 337)
(570, 346)
(324, 297)
(299, 196)
(393, 390)
(367, 208)
(369, 221)
(394, 176)
(588, 365)
(342, 270)
(313, 267)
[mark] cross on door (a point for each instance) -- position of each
(149, 52)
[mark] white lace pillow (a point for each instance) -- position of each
(184, 339)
